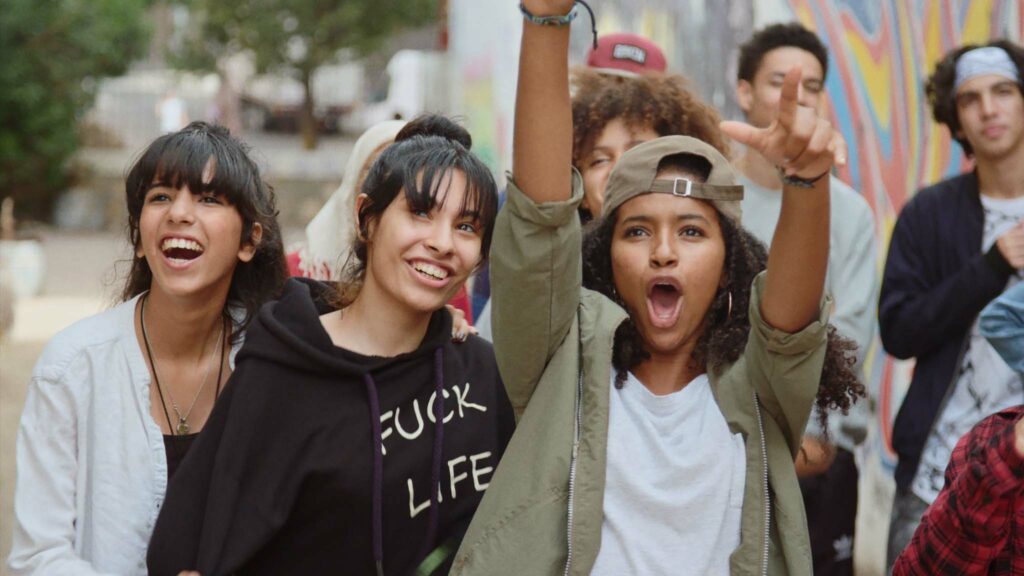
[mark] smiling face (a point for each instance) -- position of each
(191, 242)
(418, 258)
(668, 257)
(596, 166)
(991, 113)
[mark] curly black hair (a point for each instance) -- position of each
(779, 36)
(725, 329)
(941, 91)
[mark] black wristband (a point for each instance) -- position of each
(801, 182)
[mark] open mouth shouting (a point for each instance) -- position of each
(664, 301)
(180, 251)
(431, 273)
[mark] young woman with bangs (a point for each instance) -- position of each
(663, 368)
(355, 436)
(117, 399)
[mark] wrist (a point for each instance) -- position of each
(543, 18)
(799, 181)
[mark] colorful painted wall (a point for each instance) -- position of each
(881, 53)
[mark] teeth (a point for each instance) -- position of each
(431, 270)
(182, 243)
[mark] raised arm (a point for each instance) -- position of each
(804, 146)
(535, 256)
(542, 137)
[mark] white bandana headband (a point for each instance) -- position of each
(981, 61)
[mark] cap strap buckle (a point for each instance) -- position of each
(686, 192)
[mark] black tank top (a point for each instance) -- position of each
(176, 448)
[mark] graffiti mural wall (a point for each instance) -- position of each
(881, 54)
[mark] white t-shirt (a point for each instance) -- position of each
(674, 485)
(984, 385)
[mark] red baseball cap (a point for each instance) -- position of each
(626, 54)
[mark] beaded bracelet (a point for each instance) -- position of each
(562, 20)
(799, 182)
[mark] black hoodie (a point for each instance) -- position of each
(318, 460)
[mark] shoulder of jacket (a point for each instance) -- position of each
(598, 310)
(102, 329)
(474, 349)
(942, 192)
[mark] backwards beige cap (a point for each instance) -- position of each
(636, 173)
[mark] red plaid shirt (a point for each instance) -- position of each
(976, 525)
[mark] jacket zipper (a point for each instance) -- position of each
(767, 495)
(577, 418)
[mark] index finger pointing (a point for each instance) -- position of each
(788, 100)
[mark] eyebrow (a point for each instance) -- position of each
(646, 219)
(976, 92)
(608, 149)
(804, 80)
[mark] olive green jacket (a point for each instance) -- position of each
(542, 513)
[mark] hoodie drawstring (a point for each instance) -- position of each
(378, 463)
(378, 474)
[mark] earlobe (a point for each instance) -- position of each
(248, 249)
(744, 95)
(361, 231)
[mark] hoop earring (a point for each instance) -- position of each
(728, 313)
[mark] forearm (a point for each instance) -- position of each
(542, 136)
(798, 258)
(914, 318)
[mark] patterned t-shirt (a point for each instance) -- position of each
(984, 383)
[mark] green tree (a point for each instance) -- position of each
(53, 54)
(295, 37)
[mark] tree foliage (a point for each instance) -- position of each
(53, 54)
(295, 37)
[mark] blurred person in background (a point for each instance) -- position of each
(826, 464)
(172, 112)
(116, 400)
(956, 246)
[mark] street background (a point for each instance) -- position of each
(60, 262)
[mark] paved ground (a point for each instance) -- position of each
(81, 278)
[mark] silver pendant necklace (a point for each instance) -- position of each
(182, 427)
